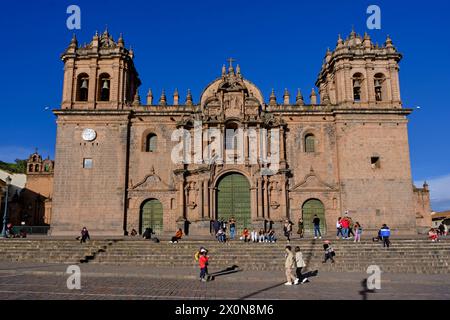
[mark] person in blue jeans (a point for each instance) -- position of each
(316, 223)
(232, 223)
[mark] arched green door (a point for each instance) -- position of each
(310, 208)
(233, 199)
(152, 216)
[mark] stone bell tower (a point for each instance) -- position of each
(99, 75)
(359, 73)
(91, 156)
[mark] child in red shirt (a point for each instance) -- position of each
(203, 262)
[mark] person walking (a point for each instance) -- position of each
(203, 263)
(290, 267)
(232, 223)
(329, 252)
(385, 233)
(84, 235)
(287, 230)
(339, 229)
(300, 226)
(300, 263)
(358, 232)
(316, 223)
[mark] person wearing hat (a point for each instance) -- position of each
(203, 262)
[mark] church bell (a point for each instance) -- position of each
(105, 85)
(84, 84)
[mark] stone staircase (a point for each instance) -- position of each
(50, 251)
(404, 256)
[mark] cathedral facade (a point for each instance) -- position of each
(121, 164)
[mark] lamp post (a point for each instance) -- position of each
(5, 215)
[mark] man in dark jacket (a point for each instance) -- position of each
(316, 223)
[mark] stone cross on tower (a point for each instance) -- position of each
(231, 60)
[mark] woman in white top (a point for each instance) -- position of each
(300, 263)
(339, 228)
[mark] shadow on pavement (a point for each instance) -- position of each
(227, 271)
(309, 274)
(365, 290)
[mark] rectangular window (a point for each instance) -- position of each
(87, 163)
(375, 162)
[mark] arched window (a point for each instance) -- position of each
(310, 143)
(83, 87)
(104, 85)
(232, 141)
(379, 81)
(151, 143)
(36, 168)
(357, 85)
(30, 168)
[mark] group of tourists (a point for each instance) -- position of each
(435, 233)
(9, 232)
(260, 236)
(287, 228)
(219, 228)
(347, 229)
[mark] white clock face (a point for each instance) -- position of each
(89, 135)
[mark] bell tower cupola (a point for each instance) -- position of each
(359, 73)
(99, 75)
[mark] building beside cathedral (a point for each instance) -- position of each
(29, 194)
(114, 167)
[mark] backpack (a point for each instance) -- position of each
(197, 256)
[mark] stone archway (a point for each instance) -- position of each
(233, 199)
(310, 208)
(151, 216)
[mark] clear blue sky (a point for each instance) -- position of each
(183, 44)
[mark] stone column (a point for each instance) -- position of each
(246, 148)
(254, 201)
(181, 199)
(92, 95)
(260, 198)
(114, 86)
(206, 214)
(282, 149)
(284, 212)
(267, 198)
(212, 202)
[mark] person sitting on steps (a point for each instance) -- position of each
(177, 236)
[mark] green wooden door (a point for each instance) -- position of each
(152, 216)
(311, 208)
(233, 199)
